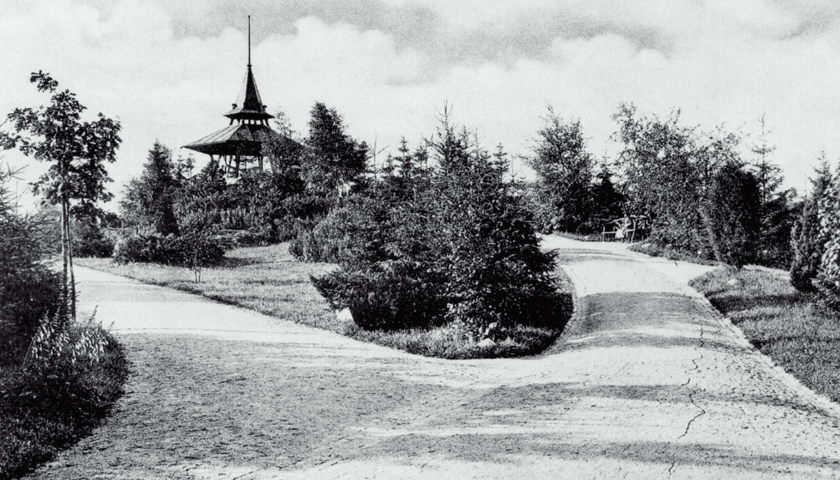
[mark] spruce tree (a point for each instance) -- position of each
(807, 242)
(149, 199)
(775, 215)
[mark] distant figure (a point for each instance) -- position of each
(623, 225)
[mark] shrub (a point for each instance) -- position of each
(731, 215)
(352, 232)
(28, 289)
(457, 239)
(89, 240)
(384, 297)
(50, 403)
(192, 250)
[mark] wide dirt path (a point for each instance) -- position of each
(648, 383)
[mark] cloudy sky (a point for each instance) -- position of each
(169, 70)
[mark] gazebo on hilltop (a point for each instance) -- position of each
(238, 147)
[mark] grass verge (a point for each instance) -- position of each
(655, 250)
(43, 411)
(781, 322)
(270, 281)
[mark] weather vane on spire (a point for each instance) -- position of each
(249, 40)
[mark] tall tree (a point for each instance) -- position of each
(607, 201)
(334, 160)
(564, 172)
(731, 214)
(807, 242)
(149, 200)
(77, 152)
(776, 216)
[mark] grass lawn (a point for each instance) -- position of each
(270, 281)
(781, 322)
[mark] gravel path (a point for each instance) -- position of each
(648, 382)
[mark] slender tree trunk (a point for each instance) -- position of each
(72, 278)
(65, 291)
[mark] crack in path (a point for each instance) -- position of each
(692, 393)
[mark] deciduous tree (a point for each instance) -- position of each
(77, 152)
(564, 173)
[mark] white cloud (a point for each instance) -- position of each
(719, 62)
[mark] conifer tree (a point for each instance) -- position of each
(149, 199)
(730, 214)
(775, 215)
(807, 242)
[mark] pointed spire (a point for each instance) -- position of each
(249, 104)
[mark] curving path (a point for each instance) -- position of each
(647, 383)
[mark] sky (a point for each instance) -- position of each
(169, 70)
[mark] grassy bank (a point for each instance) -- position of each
(43, 411)
(781, 322)
(270, 281)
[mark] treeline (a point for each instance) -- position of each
(694, 188)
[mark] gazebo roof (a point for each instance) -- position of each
(239, 139)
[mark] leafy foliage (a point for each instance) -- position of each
(90, 240)
(193, 250)
(607, 200)
(731, 215)
(564, 174)
(50, 403)
(667, 169)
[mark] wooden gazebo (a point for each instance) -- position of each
(238, 147)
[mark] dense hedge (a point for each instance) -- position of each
(186, 250)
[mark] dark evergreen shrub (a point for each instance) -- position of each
(731, 215)
(90, 240)
(828, 276)
(29, 290)
(457, 240)
(384, 297)
(807, 244)
(188, 250)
